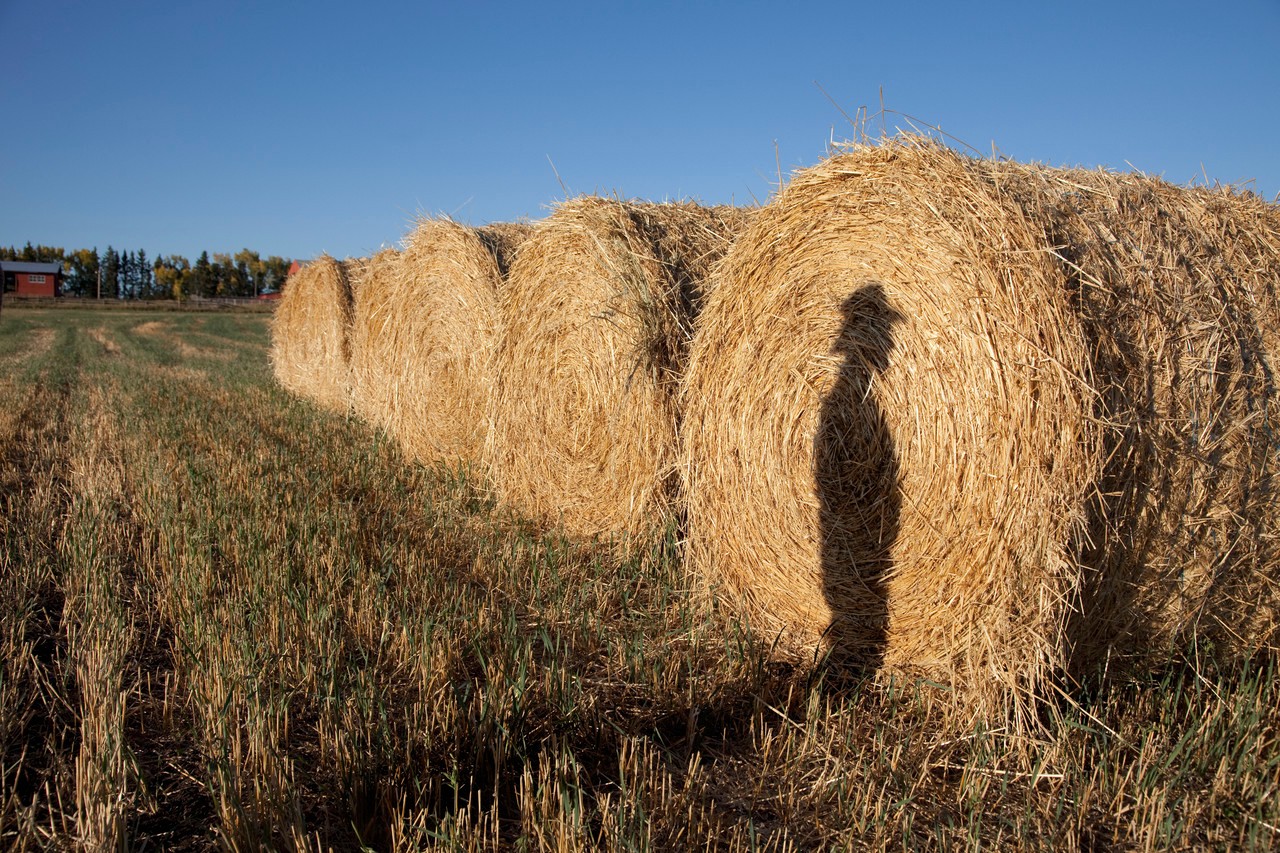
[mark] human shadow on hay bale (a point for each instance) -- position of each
(856, 478)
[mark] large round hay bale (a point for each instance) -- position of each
(887, 424)
(938, 417)
(368, 277)
(595, 324)
(310, 350)
(423, 339)
(1175, 290)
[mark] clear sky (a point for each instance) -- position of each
(296, 128)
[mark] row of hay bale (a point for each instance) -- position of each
(979, 422)
(553, 369)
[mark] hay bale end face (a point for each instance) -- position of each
(885, 423)
(424, 335)
(310, 350)
(595, 324)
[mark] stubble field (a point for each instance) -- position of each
(231, 620)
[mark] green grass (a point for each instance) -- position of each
(232, 620)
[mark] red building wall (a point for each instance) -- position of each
(24, 286)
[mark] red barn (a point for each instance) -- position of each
(23, 278)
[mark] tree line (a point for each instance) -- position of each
(131, 275)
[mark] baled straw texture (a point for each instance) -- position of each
(310, 350)
(886, 425)
(1175, 290)
(595, 325)
(368, 277)
(366, 272)
(425, 337)
(503, 240)
(955, 418)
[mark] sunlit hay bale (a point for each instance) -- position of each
(1175, 291)
(361, 274)
(367, 275)
(424, 337)
(309, 334)
(595, 324)
(887, 432)
(370, 279)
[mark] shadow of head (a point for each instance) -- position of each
(856, 477)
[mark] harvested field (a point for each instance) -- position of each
(595, 324)
(234, 620)
(423, 339)
(310, 346)
(901, 408)
(22, 344)
(186, 345)
(104, 339)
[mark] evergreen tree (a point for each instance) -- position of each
(132, 275)
(203, 280)
(222, 274)
(110, 274)
(126, 275)
(244, 280)
(146, 288)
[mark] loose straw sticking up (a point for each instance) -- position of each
(424, 335)
(595, 322)
(309, 346)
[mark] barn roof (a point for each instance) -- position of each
(27, 266)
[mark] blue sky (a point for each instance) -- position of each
(296, 128)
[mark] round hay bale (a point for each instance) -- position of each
(423, 339)
(887, 425)
(984, 423)
(1175, 291)
(595, 324)
(310, 350)
(368, 277)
